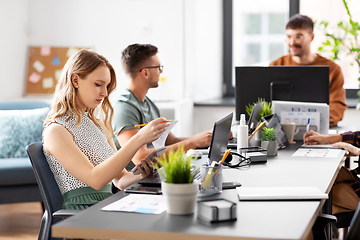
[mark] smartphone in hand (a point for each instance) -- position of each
(151, 157)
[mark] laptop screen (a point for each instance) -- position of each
(220, 138)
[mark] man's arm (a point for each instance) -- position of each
(337, 101)
(201, 140)
(124, 136)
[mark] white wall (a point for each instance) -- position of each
(13, 46)
(187, 32)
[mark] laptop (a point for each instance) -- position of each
(218, 147)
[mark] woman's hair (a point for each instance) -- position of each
(82, 63)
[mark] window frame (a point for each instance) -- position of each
(228, 89)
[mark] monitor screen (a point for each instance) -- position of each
(286, 83)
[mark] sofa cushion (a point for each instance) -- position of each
(16, 171)
(19, 128)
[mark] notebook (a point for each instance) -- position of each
(218, 146)
(280, 193)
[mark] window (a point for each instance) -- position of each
(257, 34)
(254, 33)
(335, 12)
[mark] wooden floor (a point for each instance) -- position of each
(20, 221)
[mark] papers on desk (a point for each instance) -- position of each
(138, 203)
(317, 152)
(160, 142)
(280, 193)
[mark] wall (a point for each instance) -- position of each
(13, 46)
(187, 33)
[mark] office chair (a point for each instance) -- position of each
(324, 219)
(354, 232)
(49, 190)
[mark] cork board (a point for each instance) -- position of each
(44, 68)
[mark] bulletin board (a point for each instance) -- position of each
(44, 68)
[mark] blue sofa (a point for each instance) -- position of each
(20, 124)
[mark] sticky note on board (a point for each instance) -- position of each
(56, 60)
(45, 51)
(39, 67)
(58, 74)
(34, 77)
(48, 83)
(71, 51)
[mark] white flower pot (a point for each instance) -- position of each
(271, 147)
(180, 199)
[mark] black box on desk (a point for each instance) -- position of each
(217, 210)
(256, 154)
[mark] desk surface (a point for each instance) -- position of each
(256, 219)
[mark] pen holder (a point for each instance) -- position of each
(211, 179)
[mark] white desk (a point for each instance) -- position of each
(256, 219)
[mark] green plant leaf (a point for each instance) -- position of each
(176, 167)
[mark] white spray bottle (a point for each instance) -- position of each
(242, 134)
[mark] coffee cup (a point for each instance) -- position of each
(290, 129)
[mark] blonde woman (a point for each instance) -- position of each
(78, 146)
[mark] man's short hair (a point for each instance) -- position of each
(299, 21)
(134, 56)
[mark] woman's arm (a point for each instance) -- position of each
(59, 143)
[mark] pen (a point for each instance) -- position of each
(257, 129)
(307, 128)
(144, 124)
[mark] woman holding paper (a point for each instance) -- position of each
(77, 145)
(346, 189)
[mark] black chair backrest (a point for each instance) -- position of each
(49, 190)
(354, 232)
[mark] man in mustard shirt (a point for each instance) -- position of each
(299, 35)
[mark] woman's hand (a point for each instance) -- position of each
(353, 151)
(147, 167)
(153, 130)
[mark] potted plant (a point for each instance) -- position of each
(179, 189)
(342, 38)
(268, 141)
(266, 110)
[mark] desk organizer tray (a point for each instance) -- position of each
(217, 210)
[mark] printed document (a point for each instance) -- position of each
(317, 152)
(138, 203)
(160, 142)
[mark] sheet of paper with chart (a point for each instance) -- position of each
(317, 152)
(160, 142)
(138, 203)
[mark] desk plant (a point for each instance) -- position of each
(268, 141)
(342, 38)
(178, 187)
(266, 110)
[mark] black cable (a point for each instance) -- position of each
(243, 161)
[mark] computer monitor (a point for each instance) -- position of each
(299, 112)
(286, 83)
